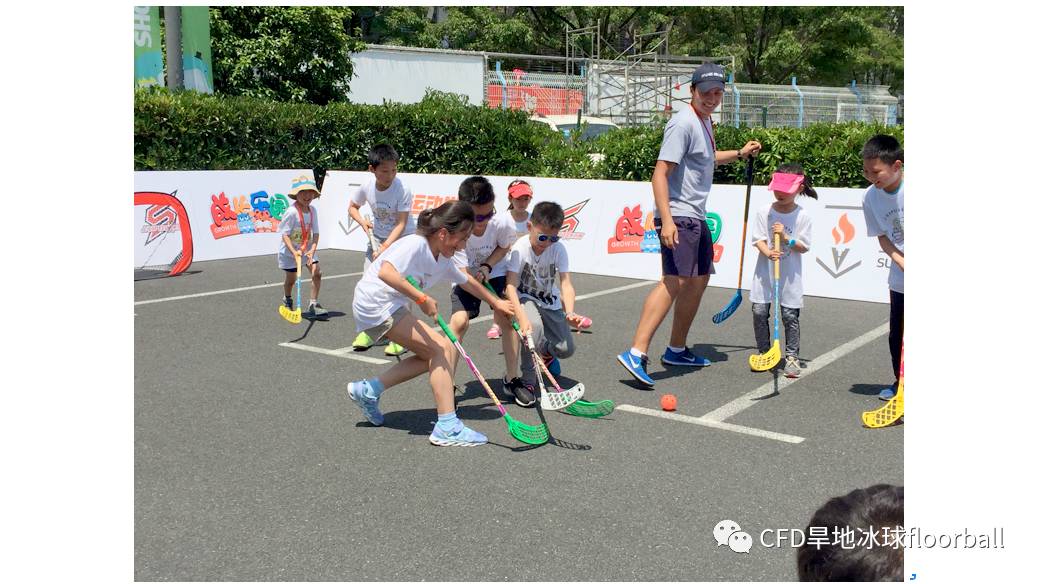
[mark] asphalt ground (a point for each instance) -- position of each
(251, 463)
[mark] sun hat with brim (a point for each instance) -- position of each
(303, 183)
(786, 182)
(519, 189)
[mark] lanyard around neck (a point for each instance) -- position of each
(706, 129)
(302, 224)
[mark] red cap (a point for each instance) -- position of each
(519, 189)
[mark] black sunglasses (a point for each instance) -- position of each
(552, 238)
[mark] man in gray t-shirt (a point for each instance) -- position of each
(681, 183)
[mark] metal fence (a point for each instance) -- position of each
(632, 94)
(797, 106)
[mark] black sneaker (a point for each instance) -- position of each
(522, 392)
(287, 301)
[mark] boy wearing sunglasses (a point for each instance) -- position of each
(483, 258)
(539, 286)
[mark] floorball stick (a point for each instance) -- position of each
(520, 431)
(768, 360)
(736, 300)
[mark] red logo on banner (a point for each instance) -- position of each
(225, 220)
(422, 202)
(570, 223)
(159, 219)
(629, 232)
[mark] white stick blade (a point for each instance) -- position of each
(564, 399)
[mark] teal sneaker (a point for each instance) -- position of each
(359, 391)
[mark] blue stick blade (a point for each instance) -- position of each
(729, 310)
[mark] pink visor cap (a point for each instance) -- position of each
(786, 182)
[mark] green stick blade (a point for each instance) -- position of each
(586, 409)
(526, 433)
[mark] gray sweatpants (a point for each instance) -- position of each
(551, 334)
(761, 330)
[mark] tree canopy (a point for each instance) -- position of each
(301, 54)
(292, 53)
(820, 45)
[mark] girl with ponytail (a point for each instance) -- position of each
(381, 304)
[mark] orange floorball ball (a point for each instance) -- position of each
(669, 402)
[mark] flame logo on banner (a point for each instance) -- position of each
(844, 230)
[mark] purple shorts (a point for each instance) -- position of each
(694, 253)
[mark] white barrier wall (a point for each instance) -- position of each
(403, 76)
(232, 213)
(608, 229)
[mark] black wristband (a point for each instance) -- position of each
(489, 267)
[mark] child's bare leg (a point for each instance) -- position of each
(459, 323)
(428, 345)
(405, 370)
(315, 280)
(290, 280)
(509, 344)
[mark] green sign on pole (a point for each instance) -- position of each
(147, 47)
(198, 52)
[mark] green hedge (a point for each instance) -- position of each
(443, 134)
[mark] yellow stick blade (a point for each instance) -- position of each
(292, 316)
(888, 414)
(767, 360)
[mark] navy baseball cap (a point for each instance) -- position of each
(708, 76)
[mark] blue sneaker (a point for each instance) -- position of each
(553, 365)
(636, 367)
(358, 391)
(685, 358)
(459, 436)
(888, 393)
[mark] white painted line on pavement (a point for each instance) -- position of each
(345, 353)
(585, 296)
(713, 424)
(741, 403)
(215, 292)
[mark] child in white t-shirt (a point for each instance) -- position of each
(299, 234)
(390, 202)
(791, 221)
(381, 304)
(539, 287)
(883, 163)
(484, 258)
(520, 193)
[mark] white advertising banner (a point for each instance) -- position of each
(607, 231)
(232, 213)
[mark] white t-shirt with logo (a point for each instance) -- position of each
(374, 300)
(539, 275)
(290, 226)
(500, 233)
(797, 225)
(688, 142)
(385, 205)
(885, 215)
